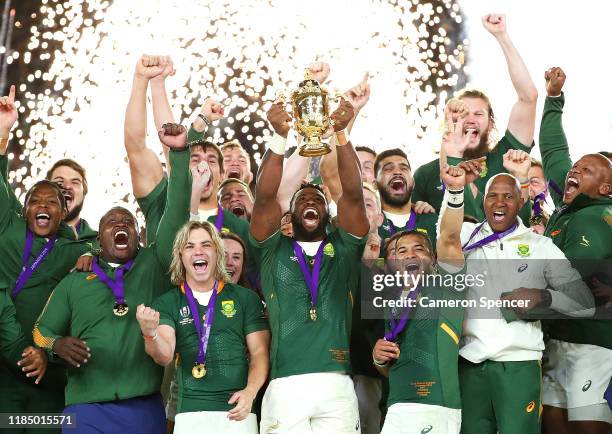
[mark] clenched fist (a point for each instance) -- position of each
(173, 136)
(148, 318)
(150, 66)
(555, 79)
(8, 113)
(517, 163)
(343, 115)
(279, 119)
(495, 24)
(213, 110)
(201, 176)
(453, 177)
(320, 71)
(167, 68)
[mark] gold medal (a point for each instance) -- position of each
(120, 309)
(313, 313)
(198, 371)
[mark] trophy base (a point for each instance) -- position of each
(314, 148)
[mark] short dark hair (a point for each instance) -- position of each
(243, 281)
(388, 153)
(240, 182)
(53, 185)
(302, 187)
(205, 145)
(401, 234)
(366, 149)
(119, 208)
(68, 162)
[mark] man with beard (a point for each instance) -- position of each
(579, 352)
(219, 330)
(67, 173)
(308, 284)
(236, 161)
(90, 319)
(479, 124)
(419, 352)
(236, 197)
(37, 249)
(395, 185)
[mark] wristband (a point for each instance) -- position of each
(194, 217)
(333, 209)
(546, 298)
(149, 338)
(454, 198)
(205, 119)
(341, 138)
(278, 144)
(524, 184)
(377, 363)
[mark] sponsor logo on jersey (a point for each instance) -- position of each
(523, 250)
(522, 268)
(227, 308)
(293, 258)
(586, 386)
(584, 242)
(530, 407)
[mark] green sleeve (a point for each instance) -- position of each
(260, 249)
(163, 304)
(194, 136)
(420, 183)
(14, 203)
(254, 318)
(176, 213)
(5, 204)
(553, 144)
(12, 339)
(589, 241)
(353, 246)
(54, 321)
(152, 206)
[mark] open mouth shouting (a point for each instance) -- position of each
(572, 186)
(499, 216)
(68, 197)
(121, 239)
(200, 266)
(234, 173)
(397, 184)
(238, 210)
(43, 220)
(311, 218)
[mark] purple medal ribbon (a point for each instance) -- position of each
(537, 203)
(27, 271)
(203, 331)
(410, 224)
(77, 228)
(219, 219)
(398, 326)
(117, 285)
(493, 237)
(312, 280)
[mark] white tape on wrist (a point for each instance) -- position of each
(278, 144)
(454, 198)
(333, 209)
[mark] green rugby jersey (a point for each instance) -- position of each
(428, 186)
(82, 306)
(300, 345)
(12, 340)
(238, 312)
(427, 370)
(425, 223)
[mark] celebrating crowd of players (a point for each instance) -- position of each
(240, 299)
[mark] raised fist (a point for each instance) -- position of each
(148, 319)
(320, 71)
(455, 110)
(149, 66)
(8, 113)
(343, 115)
(472, 169)
(279, 119)
(201, 176)
(213, 110)
(517, 163)
(555, 79)
(495, 24)
(167, 68)
(173, 136)
(453, 177)
(359, 95)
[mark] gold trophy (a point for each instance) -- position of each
(310, 103)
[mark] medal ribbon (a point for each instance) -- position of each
(312, 280)
(493, 237)
(204, 330)
(410, 224)
(537, 203)
(398, 326)
(117, 285)
(219, 219)
(27, 271)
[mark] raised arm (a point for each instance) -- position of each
(160, 340)
(522, 117)
(294, 171)
(553, 142)
(145, 167)
(351, 209)
(266, 216)
(8, 118)
(162, 112)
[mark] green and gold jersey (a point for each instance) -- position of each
(427, 370)
(238, 312)
(299, 344)
(425, 223)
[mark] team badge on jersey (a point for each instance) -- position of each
(328, 250)
(184, 311)
(484, 171)
(227, 308)
(523, 250)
